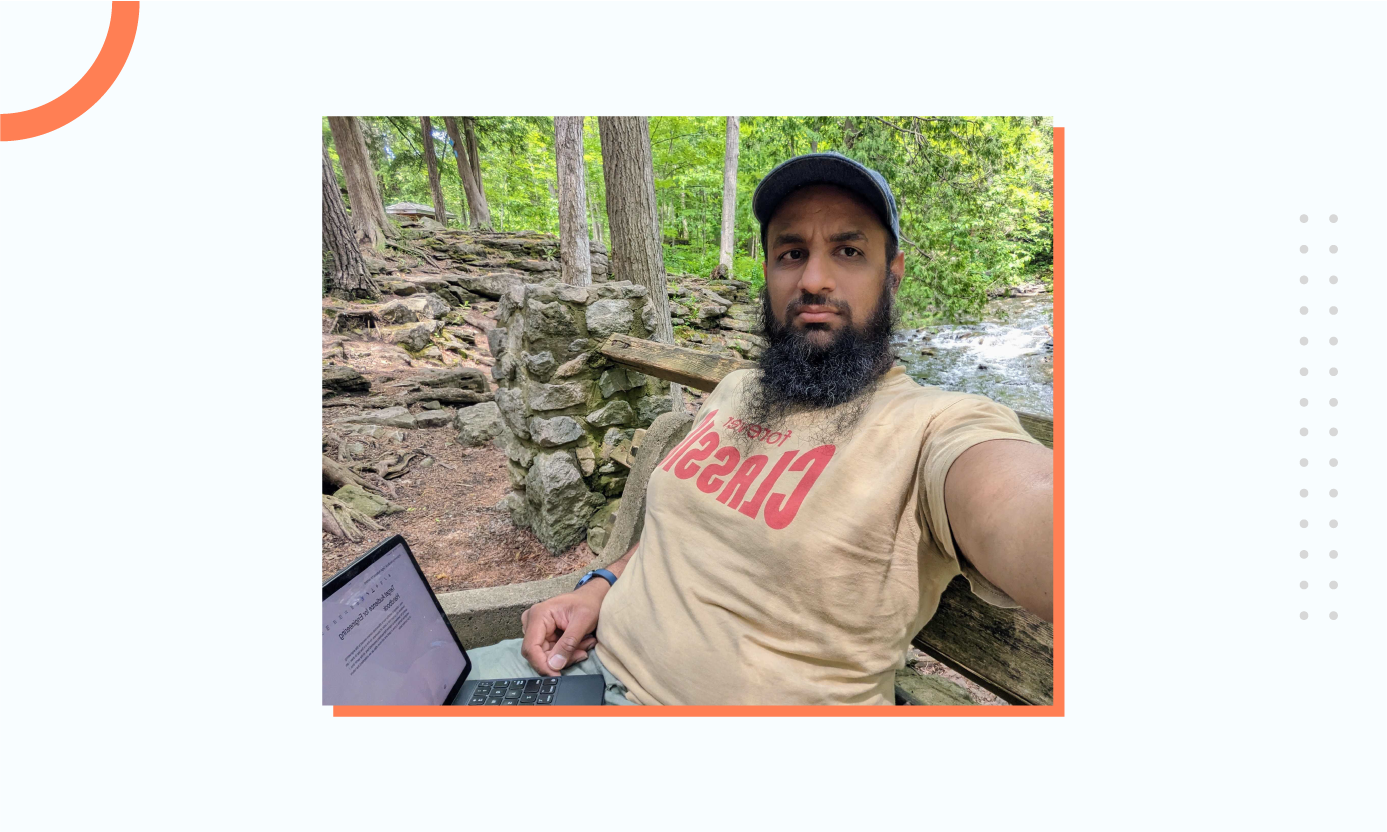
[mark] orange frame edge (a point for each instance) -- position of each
(1057, 709)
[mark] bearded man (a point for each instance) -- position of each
(803, 532)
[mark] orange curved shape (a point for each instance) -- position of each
(46, 118)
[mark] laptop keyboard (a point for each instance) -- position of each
(515, 691)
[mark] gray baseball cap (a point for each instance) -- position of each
(829, 169)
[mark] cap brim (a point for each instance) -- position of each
(817, 170)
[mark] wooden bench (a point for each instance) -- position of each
(1007, 651)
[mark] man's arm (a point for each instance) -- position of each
(557, 631)
(999, 496)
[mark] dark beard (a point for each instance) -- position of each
(797, 375)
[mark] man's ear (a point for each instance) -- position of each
(897, 269)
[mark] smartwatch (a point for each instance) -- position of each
(597, 573)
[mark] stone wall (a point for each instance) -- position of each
(564, 407)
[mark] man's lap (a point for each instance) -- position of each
(504, 661)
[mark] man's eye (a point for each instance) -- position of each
(852, 252)
(792, 254)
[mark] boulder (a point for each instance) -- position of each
(448, 395)
(600, 525)
(540, 365)
(516, 451)
(556, 396)
(371, 505)
(615, 381)
(513, 411)
(651, 406)
(434, 405)
(587, 460)
(465, 378)
(559, 501)
(489, 285)
(538, 265)
(394, 417)
(606, 317)
(549, 319)
(343, 379)
(612, 413)
(550, 433)
(514, 504)
(478, 424)
(573, 367)
(416, 337)
(377, 432)
(496, 340)
(433, 419)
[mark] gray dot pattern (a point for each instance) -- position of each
(1315, 376)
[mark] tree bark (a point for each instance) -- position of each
(440, 211)
(729, 198)
(574, 256)
(478, 215)
(636, 254)
(474, 157)
(368, 210)
(349, 277)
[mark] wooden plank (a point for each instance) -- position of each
(681, 365)
(703, 370)
(1008, 651)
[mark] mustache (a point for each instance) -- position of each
(806, 299)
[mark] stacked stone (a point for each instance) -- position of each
(564, 407)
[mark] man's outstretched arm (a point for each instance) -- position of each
(999, 496)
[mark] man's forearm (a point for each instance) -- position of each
(620, 565)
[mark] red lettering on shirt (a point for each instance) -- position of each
(741, 481)
(752, 506)
(688, 463)
(779, 516)
(711, 479)
(693, 436)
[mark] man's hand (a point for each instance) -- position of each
(558, 631)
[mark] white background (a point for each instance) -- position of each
(160, 280)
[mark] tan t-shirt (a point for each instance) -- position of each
(797, 571)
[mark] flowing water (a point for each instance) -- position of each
(1004, 356)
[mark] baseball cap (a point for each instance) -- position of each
(826, 168)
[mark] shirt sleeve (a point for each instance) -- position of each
(953, 430)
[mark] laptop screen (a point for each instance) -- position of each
(385, 641)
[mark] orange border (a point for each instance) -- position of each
(1057, 709)
(45, 118)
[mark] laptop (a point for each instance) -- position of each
(386, 641)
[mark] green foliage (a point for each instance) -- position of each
(974, 193)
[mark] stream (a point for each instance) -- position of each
(1003, 356)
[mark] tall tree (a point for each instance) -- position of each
(368, 210)
(636, 253)
(470, 171)
(729, 199)
(440, 211)
(349, 277)
(574, 255)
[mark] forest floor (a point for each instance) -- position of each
(459, 534)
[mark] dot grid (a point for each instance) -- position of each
(1317, 541)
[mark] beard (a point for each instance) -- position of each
(798, 375)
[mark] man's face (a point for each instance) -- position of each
(825, 263)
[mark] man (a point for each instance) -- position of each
(803, 532)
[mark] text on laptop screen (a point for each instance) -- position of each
(384, 641)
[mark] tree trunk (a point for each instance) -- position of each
(574, 255)
(368, 210)
(477, 214)
(440, 211)
(474, 157)
(729, 198)
(594, 219)
(349, 277)
(636, 255)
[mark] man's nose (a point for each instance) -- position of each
(817, 277)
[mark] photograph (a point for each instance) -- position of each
(705, 411)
